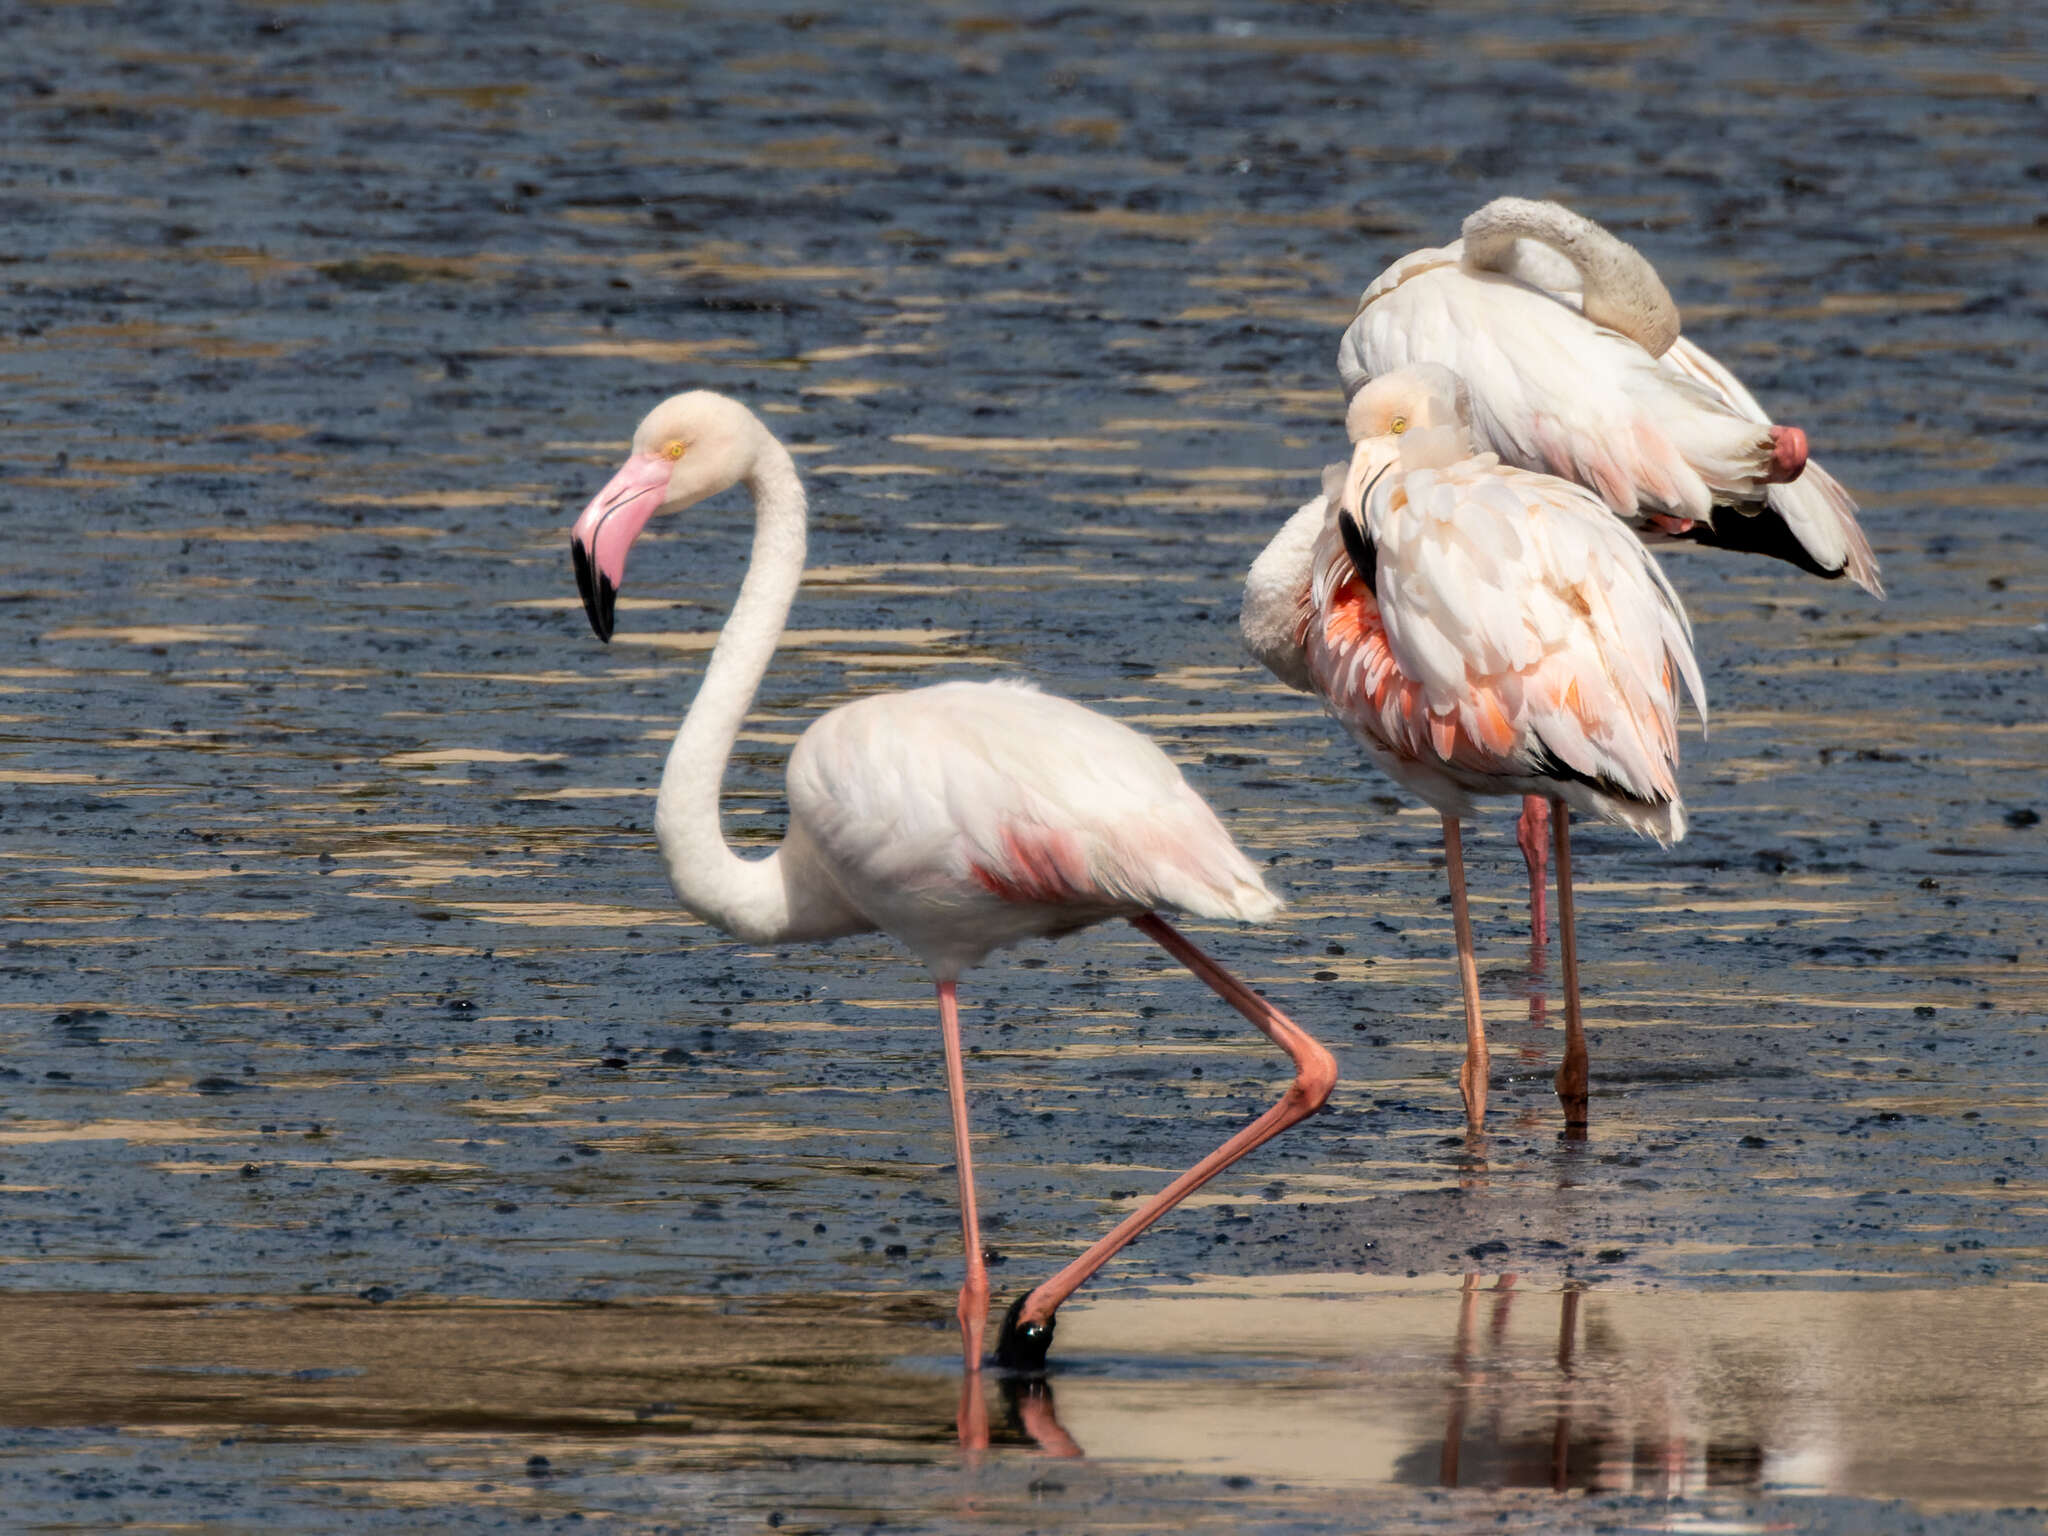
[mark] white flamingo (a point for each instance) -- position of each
(1569, 348)
(1481, 630)
(959, 819)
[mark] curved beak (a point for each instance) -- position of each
(1371, 457)
(603, 535)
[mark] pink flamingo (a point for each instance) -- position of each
(1569, 348)
(959, 819)
(1481, 630)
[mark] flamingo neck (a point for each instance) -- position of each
(1622, 290)
(749, 898)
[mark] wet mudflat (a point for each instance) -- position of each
(341, 998)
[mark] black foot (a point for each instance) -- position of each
(1023, 1346)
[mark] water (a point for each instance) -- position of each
(337, 959)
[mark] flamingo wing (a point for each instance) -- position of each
(956, 793)
(1512, 630)
(1550, 390)
(1814, 513)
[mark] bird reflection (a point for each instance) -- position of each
(1597, 1439)
(1028, 1409)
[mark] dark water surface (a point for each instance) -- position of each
(337, 961)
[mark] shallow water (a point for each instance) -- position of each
(337, 959)
(1295, 1398)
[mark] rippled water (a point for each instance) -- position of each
(336, 953)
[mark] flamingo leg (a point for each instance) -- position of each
(1472, 1076)
(1532, 832)
(973, 1294)
(1571, 1072)
(1027, 1330)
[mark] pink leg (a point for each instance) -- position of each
(974, 1294)
(1532, 831)
(1472, 1076)
(1027, 1331)
(1572, 1071)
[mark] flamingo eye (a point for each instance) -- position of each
(1399, 425)
(673, 451)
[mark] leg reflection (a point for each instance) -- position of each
(1561, 1435)
(1461, 1384)
(970, 1420)
(1029, 1401)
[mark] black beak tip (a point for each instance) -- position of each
(599, 595)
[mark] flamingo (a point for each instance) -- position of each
(1569, 347)
(959, 819)
(1481, 630)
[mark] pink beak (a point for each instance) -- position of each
(606, 531)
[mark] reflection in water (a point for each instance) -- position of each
(1489, 1385)
(1580, 1449)
(1322, 1382)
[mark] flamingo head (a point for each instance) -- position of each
(1415, 416)
(689, 447)
(1420, 396)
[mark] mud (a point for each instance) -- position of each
(336, 968)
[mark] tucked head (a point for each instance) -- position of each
(687, 448)
(1423, 395)
(1414, 417)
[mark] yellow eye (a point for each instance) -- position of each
(1399, 425)
(674, 450)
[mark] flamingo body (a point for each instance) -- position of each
(967, 817)
(1513, 639)
(1551, 391)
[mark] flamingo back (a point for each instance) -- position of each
(1550, 390)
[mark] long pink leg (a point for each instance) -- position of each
(1472, 1076)
(1571, 1072)
(1027, 1331)
(974, 1294)
(1532, 831)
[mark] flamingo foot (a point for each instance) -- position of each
(1788, 456)
(1021, 1345)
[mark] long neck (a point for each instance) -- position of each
(1622, 290)
(748, 898)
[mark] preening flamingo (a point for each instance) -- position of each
(1569, 348)
(958, 819)
(1481, 630)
